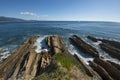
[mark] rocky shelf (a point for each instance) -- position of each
(82, 45)
(107, 70)
(111, 47)
(57, 63)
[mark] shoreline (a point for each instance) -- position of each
(57, 47)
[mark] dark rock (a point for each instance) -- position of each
(111, 47)
(92, 38)
(115, 65)
(108, 42)
(112, 71)
(84, 46)
(88, 69)
(111, 43)
(111, 50)
(101, 71)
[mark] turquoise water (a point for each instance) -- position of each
(12, 34)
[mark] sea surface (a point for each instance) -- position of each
(12, 34)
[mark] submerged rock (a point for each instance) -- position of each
(84, 46)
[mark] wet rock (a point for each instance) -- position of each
(84, 46)
(92, 38)
(108, 42)
(115, 53)
(111, 47)
(115, 65)
(88, 69)
(112, 71)
(101, 71)
(112, 43)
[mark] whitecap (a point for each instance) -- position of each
(81, 55)
(41, 45)
(4, 54)
(97, 43)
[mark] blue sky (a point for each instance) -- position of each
(80, 10)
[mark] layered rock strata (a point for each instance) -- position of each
(115, 65)
(109, 42)
(84, 46)
(56, 44)
(24, 63)
(106, 69)
(88, 69)
(111, 47)
(101, 71)
(111, 70)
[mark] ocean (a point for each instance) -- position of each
(12, 34)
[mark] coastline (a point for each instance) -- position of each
(58, 49)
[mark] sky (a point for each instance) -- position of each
(62, 10)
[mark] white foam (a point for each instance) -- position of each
(5, 54)
(103, 54)
(84, 57)
(97, 43)
(106, 56)
(41, 45)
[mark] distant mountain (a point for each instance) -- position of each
(2, 18)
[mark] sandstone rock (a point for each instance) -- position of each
(56, 44)
(36, 63)
(45, 60)
(10, 67)
(84, 46)
(1, 53)
(101, 71)
(112, 71)
(30, 65)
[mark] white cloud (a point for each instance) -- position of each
(28, 13)
(33, 14)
